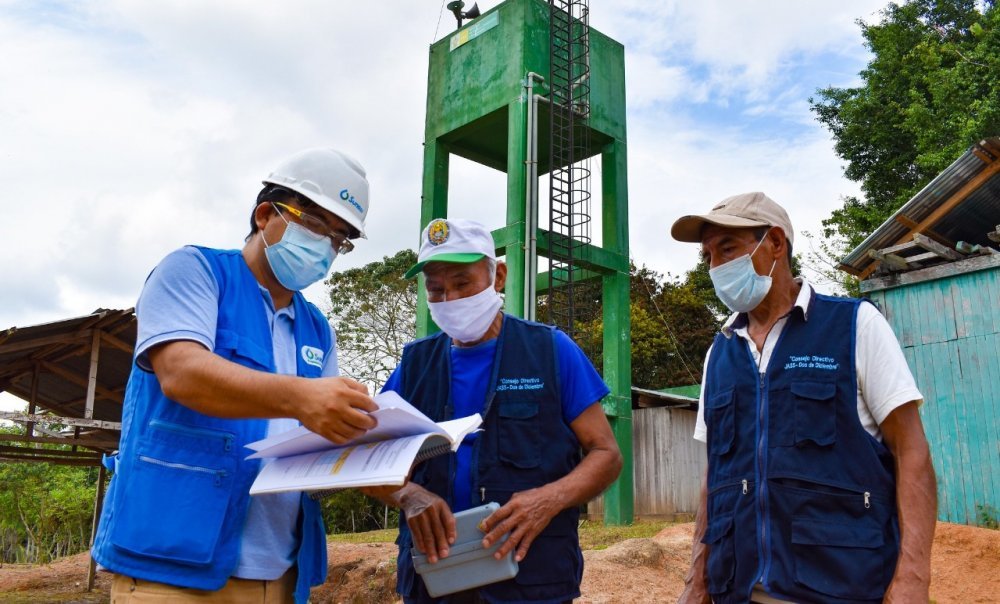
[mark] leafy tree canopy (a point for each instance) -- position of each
(930, 91)
(673, 323)
(45, 509)
(373, 311)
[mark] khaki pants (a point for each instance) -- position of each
(759, 596)
(126, 590)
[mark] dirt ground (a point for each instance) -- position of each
(965, 568)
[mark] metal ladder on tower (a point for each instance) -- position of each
(570, 174)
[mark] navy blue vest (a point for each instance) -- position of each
(524, 444)
(176, 505)
(800, 496)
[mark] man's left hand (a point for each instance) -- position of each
(522, 518)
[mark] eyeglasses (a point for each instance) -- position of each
(341, 244)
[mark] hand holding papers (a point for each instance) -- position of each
(382, 456)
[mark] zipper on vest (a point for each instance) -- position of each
(868, 502)
(227, 439)
(482, 494)
(219, 474)
(745, 489)
(762, 474)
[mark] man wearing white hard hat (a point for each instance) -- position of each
(228, 351)
(819, 485)
(539, 397)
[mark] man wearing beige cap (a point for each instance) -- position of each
(819, 484)
(539, 397)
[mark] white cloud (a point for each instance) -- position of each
(687, 171)
(131, 128)
(738, 48)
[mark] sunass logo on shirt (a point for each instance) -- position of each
(312, 356)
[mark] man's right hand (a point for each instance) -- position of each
(696, 581)
(430, 520)
(336, 408)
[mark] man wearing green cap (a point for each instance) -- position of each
(539, 397)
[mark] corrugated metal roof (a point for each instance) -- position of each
(643, 397)
(969, 220)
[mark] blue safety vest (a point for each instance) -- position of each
(177, 503)
(800, 496)
(524, 444)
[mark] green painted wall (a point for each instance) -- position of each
(950, 332)
(470, 88)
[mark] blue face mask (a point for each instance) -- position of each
(738, 285)
(301, 258)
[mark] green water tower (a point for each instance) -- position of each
(528, 88)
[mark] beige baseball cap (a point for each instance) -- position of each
(453, 240)
(743, 211)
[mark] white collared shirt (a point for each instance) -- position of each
(884, 378)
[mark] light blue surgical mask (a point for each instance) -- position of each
(301, 258)
(738, 285)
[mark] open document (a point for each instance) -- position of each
(304, 461)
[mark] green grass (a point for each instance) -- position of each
(383, 536)
(593, 534)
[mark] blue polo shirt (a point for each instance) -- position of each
(471, 367)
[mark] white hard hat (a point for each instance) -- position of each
(333, 180)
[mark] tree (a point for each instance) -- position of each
(672, 327)
(45, 509)
(350, 511)
(931, 90)
(700, 282)
(374, 312)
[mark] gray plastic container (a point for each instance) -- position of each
(468, 565)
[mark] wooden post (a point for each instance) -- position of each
(29, 429)
(95, 352)
(98, 505)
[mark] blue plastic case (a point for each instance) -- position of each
(468, 565)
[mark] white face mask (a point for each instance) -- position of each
(467, 319)
(738, 285)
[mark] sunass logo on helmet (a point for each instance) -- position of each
(346, 196)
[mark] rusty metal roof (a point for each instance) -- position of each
(962, 203)
(55, 360)
(678, 398)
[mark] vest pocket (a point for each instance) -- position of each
(721, 554)
(720, 415)
(840, 560)
(519, 434)
(172, 505)
(815, 413)
(241, 349)
(551, 559)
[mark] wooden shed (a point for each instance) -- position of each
(934, 270)
(72, 374)
(668, 463)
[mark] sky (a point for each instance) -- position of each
(129, 129)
